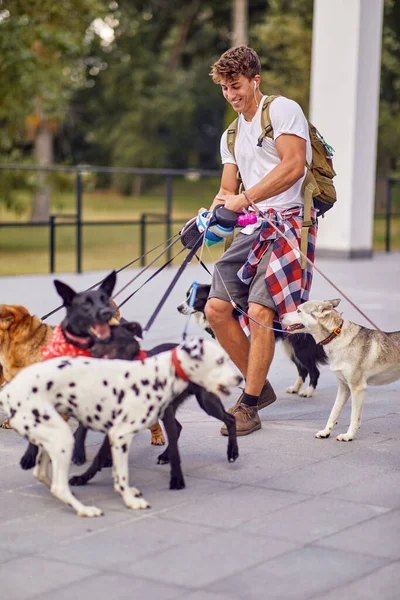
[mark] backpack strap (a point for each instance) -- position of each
(308, 189)
(266, 127)
(231, 136)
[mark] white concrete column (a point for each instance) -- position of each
(344, 102)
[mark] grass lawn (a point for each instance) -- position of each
(25, 250)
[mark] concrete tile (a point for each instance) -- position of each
(6, 555)
(207, 560)
(381, 490)
(13, 477)
(253, 466)
(233, 507)
(384, 453)
(383, 583)
(377, 537)
(196, 492)
(204, 595)
(14, 505)
(311, 520)
(56, 527)
(320, 477)
(116, 587)
(299, 575)
(116, 547)
(29, 576)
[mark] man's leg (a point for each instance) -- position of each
(262, 346)
(228, 332)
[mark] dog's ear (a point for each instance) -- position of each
(66, 292)
(109, 283)
(335, 302)
(194, 347)
(6, 317)
(134, 328)
(324, 308)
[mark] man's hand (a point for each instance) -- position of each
(234, 202)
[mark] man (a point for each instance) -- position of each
(272, 175)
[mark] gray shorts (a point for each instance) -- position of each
(228, 266)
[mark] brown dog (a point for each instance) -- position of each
(21, 337)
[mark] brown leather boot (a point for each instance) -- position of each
(247, 419)
(267, 396)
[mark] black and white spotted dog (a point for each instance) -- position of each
(116, 397)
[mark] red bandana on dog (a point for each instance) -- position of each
(58, 346)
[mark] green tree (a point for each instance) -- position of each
(388, 160)
(283, 42)
(41, 48)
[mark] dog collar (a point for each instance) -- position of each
(142, 355)
(337, 331)
(177, 366)
(81, 342)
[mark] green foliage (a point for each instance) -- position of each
(283, 42)
(144, 98)
(389, 110)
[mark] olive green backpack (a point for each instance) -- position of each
(317, 184)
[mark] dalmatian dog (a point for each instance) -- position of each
(116, 397)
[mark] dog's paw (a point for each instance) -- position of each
(344, 437)
(78, 480)
(177, 483)
(292, 389)
(163, 458)
(307, 393)
(27, 461)
(157, 435)
(90, 511)
(136, 501)
(324, 433)
(79, 458)
(158, 440)
(233, 452)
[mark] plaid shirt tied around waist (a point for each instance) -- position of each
(288, 284)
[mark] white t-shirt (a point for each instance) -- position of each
(255, 162)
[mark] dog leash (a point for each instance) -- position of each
(177, 275)
(260, 212)
(192, 298)
(132, 262)
(149, 279)
(145, 268)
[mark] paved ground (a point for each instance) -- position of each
(294, 518)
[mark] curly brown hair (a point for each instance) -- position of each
(240, 60)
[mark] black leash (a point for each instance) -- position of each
(132, 262)
(179, 272)
(203, 265)
(149, 279)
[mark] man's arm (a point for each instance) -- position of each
(228, 187)
(292, 153)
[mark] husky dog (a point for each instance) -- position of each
(357, 355)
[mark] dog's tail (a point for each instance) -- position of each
(320, 356)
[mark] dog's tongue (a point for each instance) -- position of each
(101, 330)
(294, 327)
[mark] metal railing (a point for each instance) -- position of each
(146, 218)
(75, 219)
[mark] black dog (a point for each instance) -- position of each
(300, 347)
(87, 319)
(123, 345)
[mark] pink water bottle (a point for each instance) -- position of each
(247, 218)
